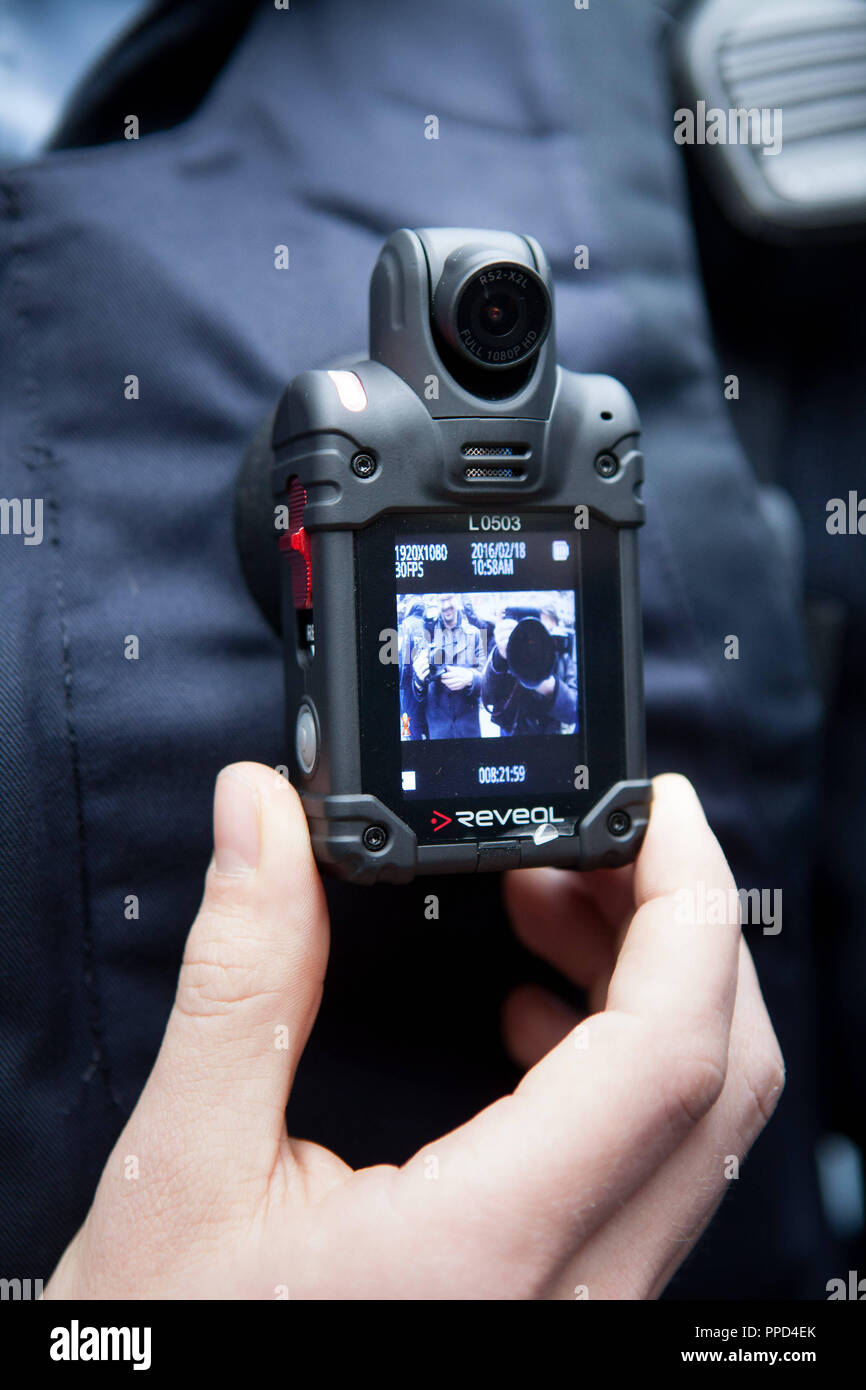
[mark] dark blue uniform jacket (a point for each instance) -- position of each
(155, 259)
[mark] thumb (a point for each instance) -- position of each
(252, 974)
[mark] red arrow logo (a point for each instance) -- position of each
(439, 819)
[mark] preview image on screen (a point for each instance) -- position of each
(488, 664)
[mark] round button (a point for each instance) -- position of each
(306, 740)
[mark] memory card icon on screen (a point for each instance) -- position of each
(408, 781)
(560, 550)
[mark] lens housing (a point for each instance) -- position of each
(496, 315)
(530, 652)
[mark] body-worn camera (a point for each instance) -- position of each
(451, 530)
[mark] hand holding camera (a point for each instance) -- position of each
(502, 632)
(585, 1170)
(421, 665)
(456, 678)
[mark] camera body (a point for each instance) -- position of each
(457, 568)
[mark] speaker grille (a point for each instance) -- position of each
(493, 474)
(494, 451)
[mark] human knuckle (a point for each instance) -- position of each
(217, 974)
(205, 989)
(764, 1078)
(693, 1080)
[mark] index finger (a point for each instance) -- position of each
(678, 960)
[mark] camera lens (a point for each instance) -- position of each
(501, 315)
(498, 314)
(530, 652)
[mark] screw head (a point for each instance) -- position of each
(363, 465)
(607, 465)
(619, 822)
(375, 837)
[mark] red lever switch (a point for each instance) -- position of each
(296, 544)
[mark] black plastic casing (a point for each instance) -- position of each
(415, 431)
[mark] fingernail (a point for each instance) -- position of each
(235, 825)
